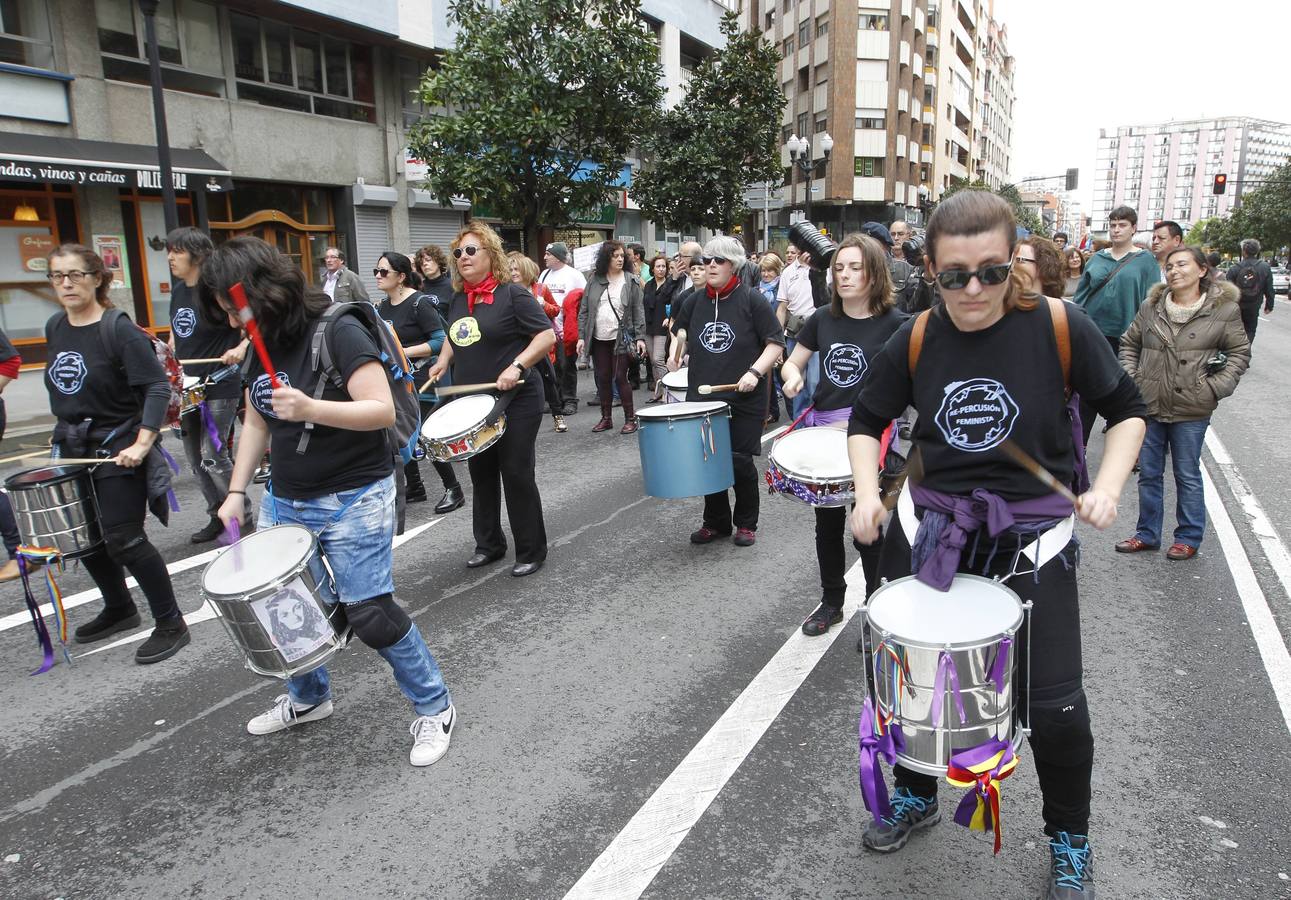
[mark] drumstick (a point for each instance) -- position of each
(238, 295)
(454, 390)
(201, 362)
(72, 461)
(717, 388)
(21, 456)
(1043, 475)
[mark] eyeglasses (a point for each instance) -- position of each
(469, 250)
(709, 260)
(958, 279)
(380, 273)
(1025, 259)
(73, 277)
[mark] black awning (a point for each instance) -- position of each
(42, 159)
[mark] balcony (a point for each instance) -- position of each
(930, 76)
(925, 154)
(903, 53)
(932, 37)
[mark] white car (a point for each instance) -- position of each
(1281, 281)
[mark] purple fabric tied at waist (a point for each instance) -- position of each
(817, 417)
(874, 790)
(950, 518)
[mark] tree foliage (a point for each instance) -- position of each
(1264, 214)
(1027, 217)
(721, 139)
(542, 102)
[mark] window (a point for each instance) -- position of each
(788, 5)
(788, 47)
(872, 20)
(822, 123)
(410, 75)
(869, 166)
(804, 79)
(188, 44)
(822, 73)
(822, 26)
(802, 125)
(24, 34)
(870, 123)
(291, 68)
(804, 33)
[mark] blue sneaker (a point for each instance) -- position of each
(908, 814)
(1072, 874)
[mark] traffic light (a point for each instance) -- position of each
(1221, 184)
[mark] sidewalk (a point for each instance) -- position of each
(27, 409)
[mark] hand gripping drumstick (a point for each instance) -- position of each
(454, 390)
(238, 295)
(707, 389)
(1041, 474)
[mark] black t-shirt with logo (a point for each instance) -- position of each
(488, 340)
(85, 383)
(973, 389)
(847, 349)
(336, 459)
(195, 338)
(414, 321)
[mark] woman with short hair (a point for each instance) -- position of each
(611, 329)
(432, 265)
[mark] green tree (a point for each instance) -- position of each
(721, 139)
(1265, 212)
(543, 100)
(1027, 217)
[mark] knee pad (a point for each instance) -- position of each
(378, 622)
(126, 544)
(1061, 732)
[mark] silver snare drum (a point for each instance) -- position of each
(56, 506)
(973, 627)
(271, 605)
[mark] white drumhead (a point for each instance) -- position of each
(684, 410)
(258, 559)
(974, 610)
(459, 416)
(190, 381)
(813, 452)
(677, 381)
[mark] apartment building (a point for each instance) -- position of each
(993, 97)
(1167, 170)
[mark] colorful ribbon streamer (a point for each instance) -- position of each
(50, 557)
(900, 672)
(873, 744)
(208, 422)
(1002, 654)
(981, 770)
(946, 669)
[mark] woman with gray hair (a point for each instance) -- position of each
(737, 339)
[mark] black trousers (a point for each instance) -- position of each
(1062, 741)
(1087, 413)
(748, 494)
(508, 468)
(8, 525)
(1250, 317)
(123, 504)
(831, 556)
(550, 386)
(567, 374)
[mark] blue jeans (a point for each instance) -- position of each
(1184, 440)
(810, 378)
(355, 531)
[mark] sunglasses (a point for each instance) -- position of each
(958, 279)
(380, 273)
(469, 250)
(709, 260)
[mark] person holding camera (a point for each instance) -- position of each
(613, 317)
(1186, 350)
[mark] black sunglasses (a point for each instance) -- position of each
(469, 250)
(708, 260)
(380, 273)
(958, 279)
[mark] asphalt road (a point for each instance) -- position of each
(581, 689)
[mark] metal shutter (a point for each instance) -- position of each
(372, 232)
(432, 226)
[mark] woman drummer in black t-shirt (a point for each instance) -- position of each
(112, 403)
(986, 366)
(420, 330)
(848, 335)
(497, 332)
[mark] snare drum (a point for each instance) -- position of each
(675, 384)
(926, 646)
(811, 465)
(56, 506)
(194, 394)
(686, 449)
(270, 603)
(457, 429)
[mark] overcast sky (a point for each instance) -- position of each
(1093, 64)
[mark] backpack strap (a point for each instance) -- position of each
(108, 334)
(1062, 336)
(916, 340)
(321, 363)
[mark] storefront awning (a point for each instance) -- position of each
(41, 159)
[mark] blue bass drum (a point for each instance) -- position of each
(686, 449)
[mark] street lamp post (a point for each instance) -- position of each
(169, 208)
(800, 158)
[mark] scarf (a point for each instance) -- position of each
(1179, 314)
(730, 286)
(480, 292)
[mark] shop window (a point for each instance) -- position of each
(297, 220)
(188, 44)
(869, 166)
(31, 225)
(24, 33)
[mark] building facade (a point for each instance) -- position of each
(1167, 170)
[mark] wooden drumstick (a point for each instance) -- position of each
(201, 362)
(707, 389)
(454, 390)
(1041, 474)
(70, 461)
(22, 456)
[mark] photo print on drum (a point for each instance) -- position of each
(976, 414)
(292, 621)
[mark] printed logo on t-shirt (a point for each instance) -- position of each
(717, 337)
(845, 365)
(185, 322)
(976, 415)
(67, 372)
(262, 393)
(465, 331)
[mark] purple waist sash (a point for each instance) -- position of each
(816, 417)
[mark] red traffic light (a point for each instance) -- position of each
(1221, 184)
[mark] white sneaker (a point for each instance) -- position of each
(285, 714)
(431, 735)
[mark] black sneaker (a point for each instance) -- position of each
(1071, 873)
(164, 642)
(105, 624)
(210, 532)
(819, 621)
(908, 813)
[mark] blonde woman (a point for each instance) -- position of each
(524, 272)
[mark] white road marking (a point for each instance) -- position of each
(1268, 639)
(1272, 545)
(774, 433)
(631, 861)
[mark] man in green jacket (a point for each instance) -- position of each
(1114, 283)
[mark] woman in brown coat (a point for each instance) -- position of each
(1185, 350)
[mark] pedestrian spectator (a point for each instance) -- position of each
(1213, 262)
(1039, 264)
(1114, 283)
(611, 326)
(1075, 268)
(795, 304)
(524, 272)
(1166, 238)
(1254, 280)
(769, 285)
(636, 262)
(656, 303)
(566, 285)
(1186, 351)
(10, 362)
(1060, 240)
(436, 283)
(900, 232)
(340, 283)
(898, 269)
(638, 366)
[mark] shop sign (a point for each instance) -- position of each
(70, 173)
(32, 251)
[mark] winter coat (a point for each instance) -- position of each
(1169, 366)
(654, 301)
(632, 317)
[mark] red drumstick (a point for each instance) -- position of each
(238, 295)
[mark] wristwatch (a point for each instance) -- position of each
(519, 365)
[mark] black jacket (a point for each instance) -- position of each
(656, 300)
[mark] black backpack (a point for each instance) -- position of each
(1248, 280)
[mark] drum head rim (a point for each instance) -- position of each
(66, 473)
(670, 411)
(795, 437)
(974, 644)
(466, 402)
(277, 580)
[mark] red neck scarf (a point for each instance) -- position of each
(480, 292)
(730, 286)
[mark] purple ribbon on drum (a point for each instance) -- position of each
(874, 790)
(946, 669)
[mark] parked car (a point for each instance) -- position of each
(1281, 280)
